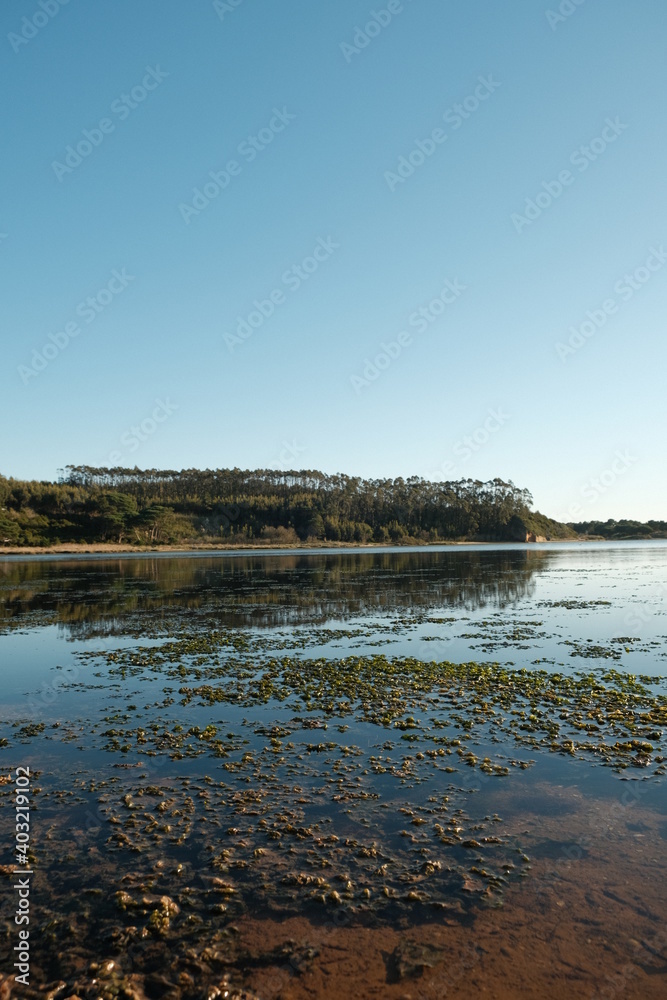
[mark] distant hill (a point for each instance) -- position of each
(621, 530)
(262, 506)
(545, 527)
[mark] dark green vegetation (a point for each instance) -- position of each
(618, 530)
(609, 716)
(90, 505)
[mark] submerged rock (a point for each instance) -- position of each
(410, 958)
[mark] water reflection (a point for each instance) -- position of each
(103, 596)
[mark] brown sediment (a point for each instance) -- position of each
(535, 951)
(590, 926)
(586, 922)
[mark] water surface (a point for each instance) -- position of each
(430, 772)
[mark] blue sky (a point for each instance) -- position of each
(502, 172)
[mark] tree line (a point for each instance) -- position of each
(624, 529)
(236, 506)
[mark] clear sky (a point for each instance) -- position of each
(339, 236)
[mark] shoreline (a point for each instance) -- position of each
(97, 548)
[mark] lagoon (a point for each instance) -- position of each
(427, 772)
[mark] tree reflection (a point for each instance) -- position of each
(114, 596)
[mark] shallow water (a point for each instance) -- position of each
(424, 773)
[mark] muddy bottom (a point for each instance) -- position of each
(587, 920)
(594, 946)
(588, 926)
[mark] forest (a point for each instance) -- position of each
(264, 506)
(624, 529)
